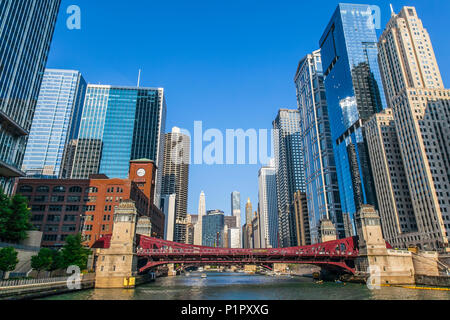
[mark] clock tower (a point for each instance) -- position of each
(142, 172)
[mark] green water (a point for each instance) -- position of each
(235, 286)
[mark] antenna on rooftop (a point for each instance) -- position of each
(392, 9)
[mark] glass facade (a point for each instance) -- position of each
(290, 171)
(26, 31)
(56, 122)
(129, 122)
(322, 189)
(354, 93)
(213, 225)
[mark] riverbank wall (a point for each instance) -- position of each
(45, 289)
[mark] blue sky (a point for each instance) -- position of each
(229, 63)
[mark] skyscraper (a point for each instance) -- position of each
(289, 170)
(322, 188)
(213, 225)
(354, 93)
(26, 31)
(56, 122)
(175, 177)
(236, 212)
(421, 113)
(119, 124)
(248, 227)
(267, 183)
(198, 231)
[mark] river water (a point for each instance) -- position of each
(238, 286)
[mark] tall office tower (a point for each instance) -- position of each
(421, 110)
(394, 200)
(198, 233)
(267, 183)
(289, 171)
(256, 236)
(26, 31)
(236, 207)
(354, 93)
(56, 122)
(67, 163)
(175, 177)
(120, 124)
(322, 188)
(302, 220)
(168, 204)
(191, 220)
(213, 229)
(248, 212)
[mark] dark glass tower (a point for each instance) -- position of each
(26, 31)
(354, 93)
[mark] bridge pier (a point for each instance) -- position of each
(383, 265)
(116, 265)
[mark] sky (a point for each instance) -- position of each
(229, 64)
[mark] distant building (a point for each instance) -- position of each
(289, 171)
(213, 229)
(268, 203)
(198, 228)
(236, 210)
(56, 122)
(191, 220)
(26, 34)
(300, 205)
(168, 205)
(256, 236)
(234, 238)
(175, 177)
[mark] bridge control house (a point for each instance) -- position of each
(62, 207)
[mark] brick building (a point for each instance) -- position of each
(69, 206)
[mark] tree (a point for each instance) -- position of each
(8, 259)
(5, 213)
(43, 261)
(14, 218)
(74, 253)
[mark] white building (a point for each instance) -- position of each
(198, 230)
(168, 207)
(234, 238)
(268, 206)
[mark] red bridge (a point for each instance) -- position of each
(338, 256)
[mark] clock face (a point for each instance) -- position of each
(141, 172)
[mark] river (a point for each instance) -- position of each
(238, 286)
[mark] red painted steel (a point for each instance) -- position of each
(339, 253)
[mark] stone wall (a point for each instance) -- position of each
(439, 281)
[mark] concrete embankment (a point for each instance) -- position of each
(40, 290)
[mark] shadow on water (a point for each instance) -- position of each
(234, 286)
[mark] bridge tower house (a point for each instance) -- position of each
(384, 266)
(116, 266)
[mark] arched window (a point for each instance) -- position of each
(59, 189)
(43, 189)
(26, 189)
(75, 190)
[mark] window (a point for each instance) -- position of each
(51, 228)
(43, 189)
(26, 189)
(55, 208)
(38, 208)
(53, 218)
(50, 237)
(40, 199)
(72, 208)
(59, 189)
(73, 199)
(92, 190)
(57, 198)
(76, 190)
(69, 228)
(70, 218)
(37, 217)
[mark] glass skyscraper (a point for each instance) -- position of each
(26, 31)
(354, 93)
(322, 189)
(212, 229)
(56, 122)
(120, 124)
(289, 172)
